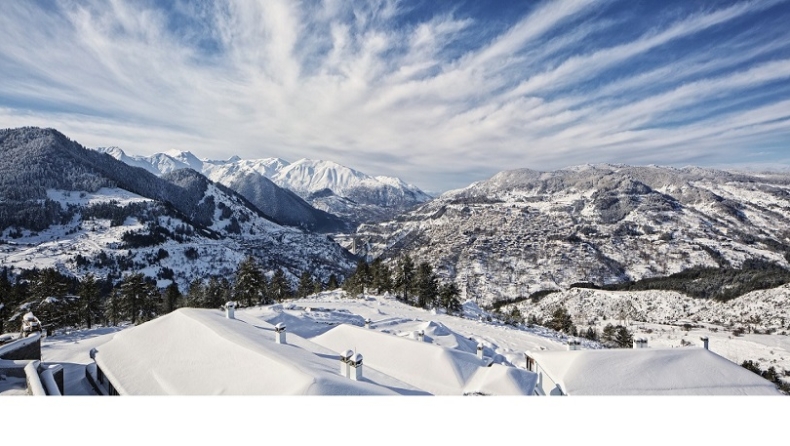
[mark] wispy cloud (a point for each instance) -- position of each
(439, 96)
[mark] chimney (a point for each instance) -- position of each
(480, 350)
(367, 323)
(355, 364)
(345, 358)
(704, 340)
(230, 310)
(279, 333)
(530, 362)
(421, 336)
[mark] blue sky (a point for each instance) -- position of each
(440, 93)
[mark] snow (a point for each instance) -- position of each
(438, 370)
(649, 371)
(201, 352)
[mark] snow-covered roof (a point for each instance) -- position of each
(677, 371)
(435, 369)
(201, 352)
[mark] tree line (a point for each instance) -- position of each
(413, 283)
(61, 301)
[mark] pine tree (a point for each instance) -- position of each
(404, 278)
(250, 283)
(306, 285)
(139, 298)
(426, 285)
(623, 338)
(561, 321)
(89, 299)
(361, 278)
(333, 282)
(195, 293)
(171, 298)
(448, 298)
(381, 276)
(112, 308)
(279, 287)
(214, 295)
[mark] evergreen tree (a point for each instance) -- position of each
(112, 308)
(381, 276)
(171, 298)
(139, 298)
(426, 285)
(591, 334)
(333, 282)
(195, 293)
(448, 298)
(279, 287)
(251, 284)
(89, 300)
(561, 321)
(404, 278)
(623, 338)
(361, 278)
(214, 295)
(306, 285)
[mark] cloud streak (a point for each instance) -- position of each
(451, 96)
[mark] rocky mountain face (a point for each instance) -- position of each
(524, 231)
(82, 211)
(331, 189)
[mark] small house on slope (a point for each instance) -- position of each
(432, 368)
(202, 352)
(643, 371)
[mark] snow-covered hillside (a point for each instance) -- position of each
(524, 231)
(88, 213)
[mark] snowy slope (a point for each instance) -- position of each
(524, 231)
(93, 214)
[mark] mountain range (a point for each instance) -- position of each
(524, 231)
(318, 195)
(81, 211)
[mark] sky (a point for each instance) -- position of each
(439, 93)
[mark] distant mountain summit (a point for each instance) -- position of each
(325, 185)
(246, 178)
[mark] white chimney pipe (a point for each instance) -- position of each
(230, 310)
(704, 340)
(355, 364)
(279, 333)
(345, 357)
(367, 323)
(480, 350)
(421, 336)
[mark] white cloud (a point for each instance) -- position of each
(352, 82)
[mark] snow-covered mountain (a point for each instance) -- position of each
(81, 211)
(524, 231)
(347, 192)
(326, 185)
(246, 177)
